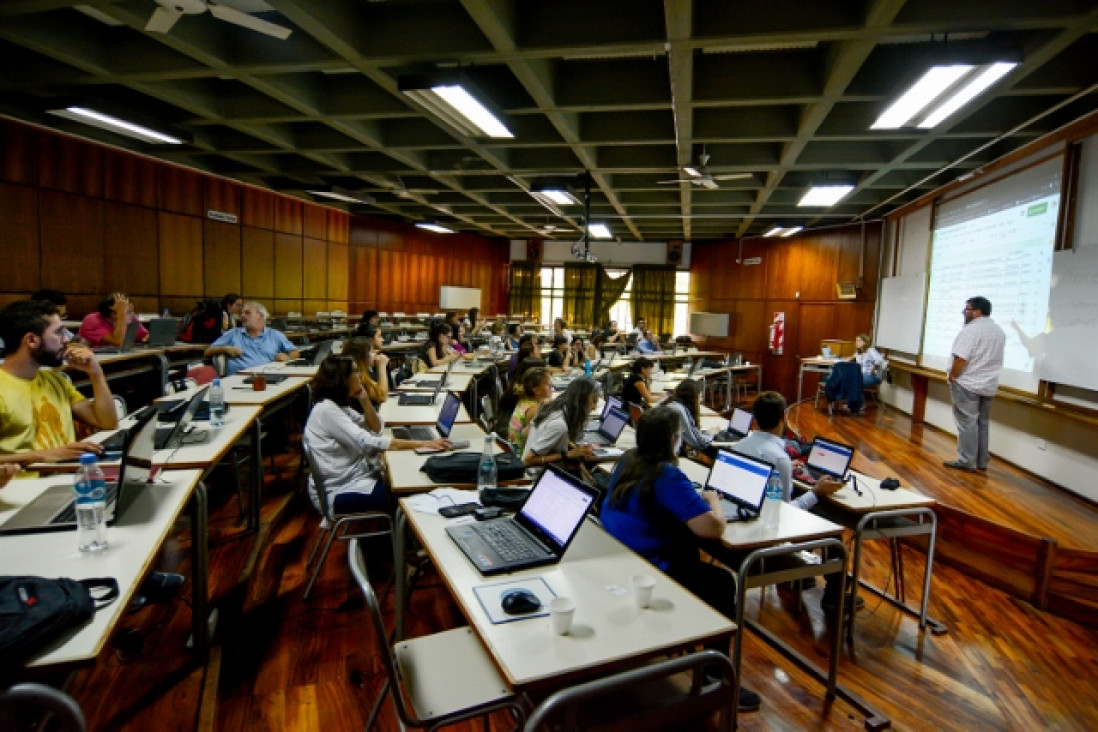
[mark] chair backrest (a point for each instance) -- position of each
(177, 385)
(220, 363)
(120, 407)
(487, 413)
(318, 482)
(31, 700)
(635, 412)
(380, 637)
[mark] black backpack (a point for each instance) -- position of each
(36, 610)
(461, 467)
(203, 323)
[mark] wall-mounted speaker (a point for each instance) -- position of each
(533, 250)
(674, 252)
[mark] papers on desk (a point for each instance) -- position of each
(604, 452)
(430, 503)
(490, 598)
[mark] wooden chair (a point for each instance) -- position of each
(428, 690)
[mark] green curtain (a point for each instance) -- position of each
(654, 297)
(580, 283)
(524, 292)
(608, 292)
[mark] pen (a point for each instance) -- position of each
(243, 388)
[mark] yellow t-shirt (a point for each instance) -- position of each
(36, 414)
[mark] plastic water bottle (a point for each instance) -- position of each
(487, 472)
(217, 405)
(166, 314)
(587, 367)
(91, 497)
(772, 505)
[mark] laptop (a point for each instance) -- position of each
(740, 481)
(825, 351)
(537, 535)
(826, 458)
(610, 403)
(162, 332)
(408, 399)
(446, 418)
(441, 382)
(55, 508)
(322, 352)
(127, 341)
(609, 430)
(738, 427)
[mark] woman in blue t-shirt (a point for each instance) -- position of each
(651, 507)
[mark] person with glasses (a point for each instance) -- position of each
(976, 362)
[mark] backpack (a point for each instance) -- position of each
(34, 611)
(461, 467)
(203, 323)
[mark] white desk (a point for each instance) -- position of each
(458, 381)
(282, 368)
(608, 631)
(469, 367)
(815, 365)
(395, 414)
(133, 544)
(403, 466)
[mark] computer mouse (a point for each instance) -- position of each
(519, 602)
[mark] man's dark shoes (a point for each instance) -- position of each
(956, 465)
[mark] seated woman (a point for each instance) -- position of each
(438, 350)
(634, 388)
(527, 348)
(560, 358)
(593, 351)
(870, 359)
(346, 446)
(372, 365)
(685, 401)
(651, 507)
(537, 389)
(515, 392)
(107, 326)
(559, 426)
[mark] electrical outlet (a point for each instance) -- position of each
(1041, 445)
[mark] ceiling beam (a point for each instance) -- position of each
(679, 15)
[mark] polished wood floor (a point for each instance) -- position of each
(282, 664)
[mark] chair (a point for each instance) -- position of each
(120, 409)
(24, 705)
(334, 525)
(648, 697)
(636, 411)
(487, 413)
(220, 363)
(420, 672)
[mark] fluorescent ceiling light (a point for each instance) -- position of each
(559, 197)
(774, 231)
(438, 229)
(968, 92)
(337, 194)
(114, 124)
(458, 108)
(932, 84)
(599, 231)
(791, 231)
(824, 195)
(782, 231)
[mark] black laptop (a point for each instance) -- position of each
(55, 508)
(446, 418)
(537, 535)
(127, 341)
(738, 427)
(427, 383)
(408, 399)
(322, 352)
(163, 332)
(609, 430)
(740, 481)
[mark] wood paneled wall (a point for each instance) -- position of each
(797, 277)
(399, 268)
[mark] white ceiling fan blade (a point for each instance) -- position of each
(707, 182)
(162, 20)
(234, 16)
(732, 176)
(679, 180)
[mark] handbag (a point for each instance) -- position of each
(35, 611)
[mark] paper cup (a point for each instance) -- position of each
(642, 589)
(561, 611)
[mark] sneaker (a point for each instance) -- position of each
(749, 700)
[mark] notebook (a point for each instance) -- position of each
(537, 535)
(741, 483)
(827, 458)
(425, 400)
(54, 509)
(127, 341)
(446, 418)
(322, 352)
(609, 429)
(738, 427)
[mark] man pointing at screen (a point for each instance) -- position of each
(973, 376)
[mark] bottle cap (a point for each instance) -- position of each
(217, 382)
(87, 458)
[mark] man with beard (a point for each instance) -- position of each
(38, 405)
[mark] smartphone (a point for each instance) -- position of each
(461, 509)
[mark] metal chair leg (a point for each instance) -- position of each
(319, 564)
(380, 699)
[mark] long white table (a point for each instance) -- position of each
(395, 414)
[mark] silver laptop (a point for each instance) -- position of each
(446, 418)
(127, 341)
(55, 508)
(827, 458)
(162, 332)
(739, 425)
(611, 402)
(740, 481)
(609, 430)
(537, 535)
(322, 352)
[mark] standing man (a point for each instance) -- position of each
(973, 378)
(253, 343)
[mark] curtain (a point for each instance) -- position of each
(654, 297)
(608, 292)
(524, 291)
(580, 283)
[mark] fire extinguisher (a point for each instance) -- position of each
(777, 334)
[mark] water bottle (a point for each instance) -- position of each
(772, 505)
(166, 314)
(217, 404)
(487, 472)
(91, 497)
(587, 367)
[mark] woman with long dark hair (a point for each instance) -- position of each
(635, 386)
(438, 350)
(685, 401)
(537, 389)
(372, 365)
(559, 425)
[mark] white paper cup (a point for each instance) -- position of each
(642, 589)
(561, 611)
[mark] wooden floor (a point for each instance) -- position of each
(281, 664)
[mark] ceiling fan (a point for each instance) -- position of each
(165, 16)
(699, 174)
(399, 190)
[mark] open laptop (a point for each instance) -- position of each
(179, 412)
(55, 508)
(127, 341)
(446, 418)
(537, 535)
(407, 399)
(609, 429)
(610, 403)
(738, 427)
(322, 352)
(826, 458)
(425, 383)
(741, 483)
(162, 332)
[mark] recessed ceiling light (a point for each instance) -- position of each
(824, 195)
(600, 231)
(437, 228)
(115, 124)
(940, 92)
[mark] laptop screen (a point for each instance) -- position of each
(614, 402)
(448, 414)
(556, 506)
(740, 479)
(740, 424)
(832, 458)
(613, 423)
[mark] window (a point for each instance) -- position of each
(552, 298)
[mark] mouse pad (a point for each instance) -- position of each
(491, 595)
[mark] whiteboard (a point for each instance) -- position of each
(900, 314)
(1068, 352)
(709, 324)
(458, 298)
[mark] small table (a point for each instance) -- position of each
(814, 365)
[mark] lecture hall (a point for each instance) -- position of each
(548, 365)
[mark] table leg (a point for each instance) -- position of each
(200, 570)
(800, 382)
(257, 476)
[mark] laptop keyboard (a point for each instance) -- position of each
(414, 433)
(511, 544)
(416, 401)
(68, 515)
